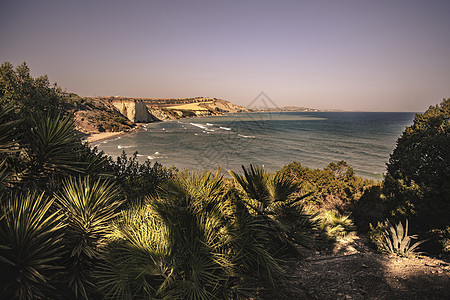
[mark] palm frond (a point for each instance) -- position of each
(53, 146)
(31, 246)
(89, 207)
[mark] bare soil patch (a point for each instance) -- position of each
(353, 271)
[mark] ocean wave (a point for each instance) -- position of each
(224, 128)
(247, 136)
(125, 147)
(209, 124)
(198, 125)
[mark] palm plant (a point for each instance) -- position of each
(137, 262)
(195, 210)
(9, 138)
(52, 148)
(274, 198)
(89, 207)
(8, 134)
(30, 246)
(269, 223)
(397, 241)
(177, 246)
(334, 226)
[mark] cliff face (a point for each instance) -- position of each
(150, 109)
(135, 110)
(93, 115)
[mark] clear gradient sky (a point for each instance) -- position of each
(353, 55)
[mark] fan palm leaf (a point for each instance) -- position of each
(177, 246)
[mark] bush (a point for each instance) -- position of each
(138, 180)
(417, 183)
(334, 188)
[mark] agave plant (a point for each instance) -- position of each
(397, 241)
(89, 207)
(30, 246)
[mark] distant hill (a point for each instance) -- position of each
(284, 108)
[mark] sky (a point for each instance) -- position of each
(350, 55)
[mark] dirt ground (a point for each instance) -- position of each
(353, 271)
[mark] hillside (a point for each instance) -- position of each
(113, 114)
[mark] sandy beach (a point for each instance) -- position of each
(96, 137)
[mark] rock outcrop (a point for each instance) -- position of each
(135, 110)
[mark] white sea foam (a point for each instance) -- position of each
(124, 147)
(224, 128)
(198, 125)
(247, 136)
(150, 157)
(209, 124)
(156, 153)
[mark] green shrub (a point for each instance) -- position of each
(417, 183)
(335, 226)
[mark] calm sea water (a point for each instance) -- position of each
(363, 139)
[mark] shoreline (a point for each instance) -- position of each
(102, 136)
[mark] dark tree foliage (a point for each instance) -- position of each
(30, 96)
(138, 180)
(417, 183)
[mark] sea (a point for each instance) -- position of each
(272, 140)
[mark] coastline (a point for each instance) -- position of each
(98, 137)
(102, 136)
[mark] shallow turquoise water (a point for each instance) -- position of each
(363, 139)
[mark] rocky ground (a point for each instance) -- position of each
(353, 271)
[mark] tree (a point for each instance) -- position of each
(30, 96)
(417, 183)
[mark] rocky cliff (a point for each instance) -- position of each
(100, 114)
(135, 110)
(152, 109)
